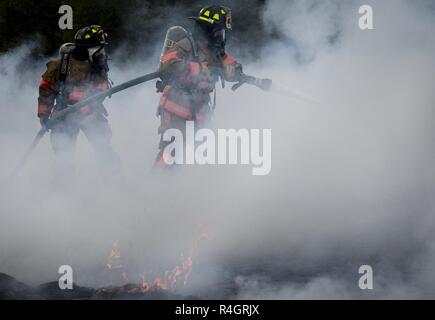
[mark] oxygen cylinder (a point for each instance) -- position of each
(173, 35)
(66, 48)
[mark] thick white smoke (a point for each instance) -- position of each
(351, 181)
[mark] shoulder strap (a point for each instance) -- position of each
(63, 72)
(193, 45)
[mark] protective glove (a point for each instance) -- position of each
(233, 72)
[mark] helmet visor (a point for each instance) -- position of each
(229, 21)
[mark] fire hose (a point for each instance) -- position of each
(263, 84)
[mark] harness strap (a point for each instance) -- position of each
(63, 72)
(194, 46)
(64, 68)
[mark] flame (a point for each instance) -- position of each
(114, 261)
(187, 265)
(145, 287)
(171, 278)
(160, 284)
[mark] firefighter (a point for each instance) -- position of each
(191, 65)
(80, 71)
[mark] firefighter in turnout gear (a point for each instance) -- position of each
(80, 71)
(191, 65)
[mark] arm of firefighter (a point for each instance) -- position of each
(47, 91)
(101, 83)
(175, 63)
(232, 69)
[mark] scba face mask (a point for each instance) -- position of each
(218, 41)
(98, 56)
(219, 37)
(95, 53)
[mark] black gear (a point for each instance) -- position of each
(90, 36)
(212, 24)
(215, 17)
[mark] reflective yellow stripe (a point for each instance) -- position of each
(207, 19)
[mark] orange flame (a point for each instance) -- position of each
(114, 261)
(180, 273)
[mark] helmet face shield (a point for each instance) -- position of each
(95, 54)
(229, 21)
(218, 40)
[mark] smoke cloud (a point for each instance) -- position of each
(351, 182)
